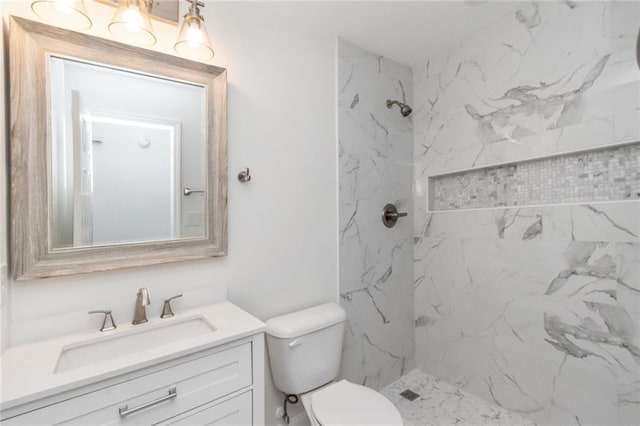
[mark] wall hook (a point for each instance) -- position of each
(244, 176)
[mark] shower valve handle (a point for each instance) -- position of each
(397, 215)
(390, 215)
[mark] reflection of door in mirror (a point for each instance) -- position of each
(123, 147)
(134, 181)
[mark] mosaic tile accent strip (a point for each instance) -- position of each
(608, 174)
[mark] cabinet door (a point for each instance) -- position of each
(232, 412)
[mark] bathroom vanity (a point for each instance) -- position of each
(201, 366)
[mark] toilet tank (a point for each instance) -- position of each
(305, 347)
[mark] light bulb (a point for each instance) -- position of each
(64, 6)
(131, 23)
(132, 19)
(193, 40)
(194, 34)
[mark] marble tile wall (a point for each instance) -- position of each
(609, 174)
(375, 166)
(536, 309)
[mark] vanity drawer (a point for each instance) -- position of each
(235, 411)
(196, 382)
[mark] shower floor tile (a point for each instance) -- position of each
(440, 403)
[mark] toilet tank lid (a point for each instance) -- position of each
(306, 321)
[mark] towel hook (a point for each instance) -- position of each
(244, 176)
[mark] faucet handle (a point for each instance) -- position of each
(167, 312)
(143, 295)
(107, 315)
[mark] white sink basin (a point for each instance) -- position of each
(121, 344)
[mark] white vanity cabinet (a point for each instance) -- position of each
(216, 386)
(219, 383)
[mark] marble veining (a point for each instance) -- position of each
(375, 262)
(535, 309)
(551, 109)
(441, 404)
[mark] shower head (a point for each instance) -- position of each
(405, 109)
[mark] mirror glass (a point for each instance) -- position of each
(127, 156)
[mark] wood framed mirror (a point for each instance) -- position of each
(118, 154)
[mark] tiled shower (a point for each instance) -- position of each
(525, 288)
(375, 262)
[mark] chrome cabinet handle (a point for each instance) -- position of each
(107, 316)
(125, 411)
(167, 312)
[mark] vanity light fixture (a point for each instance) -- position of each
(193, 41)
(71, 14)
(131, 23)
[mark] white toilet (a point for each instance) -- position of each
(305, 349)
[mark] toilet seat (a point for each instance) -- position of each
(347, 404)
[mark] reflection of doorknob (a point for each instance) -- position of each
(189, 191)
(390, 215)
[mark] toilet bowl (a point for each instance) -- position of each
(305, 348)
(345, 403)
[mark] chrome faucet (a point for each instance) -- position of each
(167, 312)
(140, 315)
(107, 318)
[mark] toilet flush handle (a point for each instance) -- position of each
(294, 343)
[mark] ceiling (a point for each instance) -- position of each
(405, 31)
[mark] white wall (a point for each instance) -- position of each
(282, 225)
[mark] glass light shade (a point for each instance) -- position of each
(193, 40)
(71, 14)
(131, 23)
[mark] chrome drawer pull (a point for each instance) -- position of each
(125, 411)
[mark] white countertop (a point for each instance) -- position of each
(28, 371)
